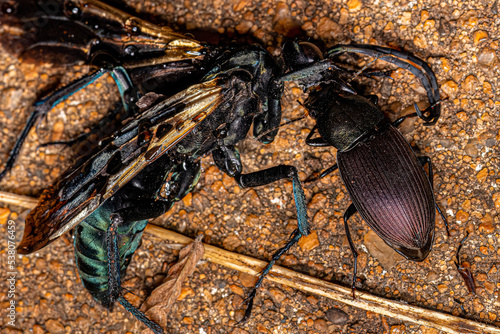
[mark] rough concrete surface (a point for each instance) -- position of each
(459, 39)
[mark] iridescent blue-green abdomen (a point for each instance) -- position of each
(91, 250)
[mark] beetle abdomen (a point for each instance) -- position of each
(391, 191)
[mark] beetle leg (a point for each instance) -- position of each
(323, 173)
(315, 142)
(444, 219)
(44, 106)
(405, 61)
(268, 176)
(401, 119)
(423, 161)
(372, 98)
(347, 214)
(114, 276)
(328, 171)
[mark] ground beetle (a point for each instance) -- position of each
(385, 180)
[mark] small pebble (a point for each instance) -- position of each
(337, 316)
(462, 216)
(309, 242)
(54, 326)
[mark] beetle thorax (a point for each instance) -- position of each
(346, 119)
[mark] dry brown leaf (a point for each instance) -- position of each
(158, 304)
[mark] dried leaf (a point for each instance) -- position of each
(385, 255)
(159, 303)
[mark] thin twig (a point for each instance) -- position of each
(391, 308)
(18, 200)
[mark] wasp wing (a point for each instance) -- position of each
(140, 142)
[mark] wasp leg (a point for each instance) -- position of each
(406, 61)
(347, 214)
(268, 176)
(44, 106)
(264, 70)
(266, 122)
(114, 275)
(423, 161)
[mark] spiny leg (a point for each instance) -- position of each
(318, 142)
(347, 214)
(294, 238)
(42, 107)
(114, 275)
(268, 176)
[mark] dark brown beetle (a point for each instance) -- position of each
(386, 181)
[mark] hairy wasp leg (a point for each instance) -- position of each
(405, 61)
(125, 87)
(114, 279)
(348, 214)
(268, 176)
(425, 160)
